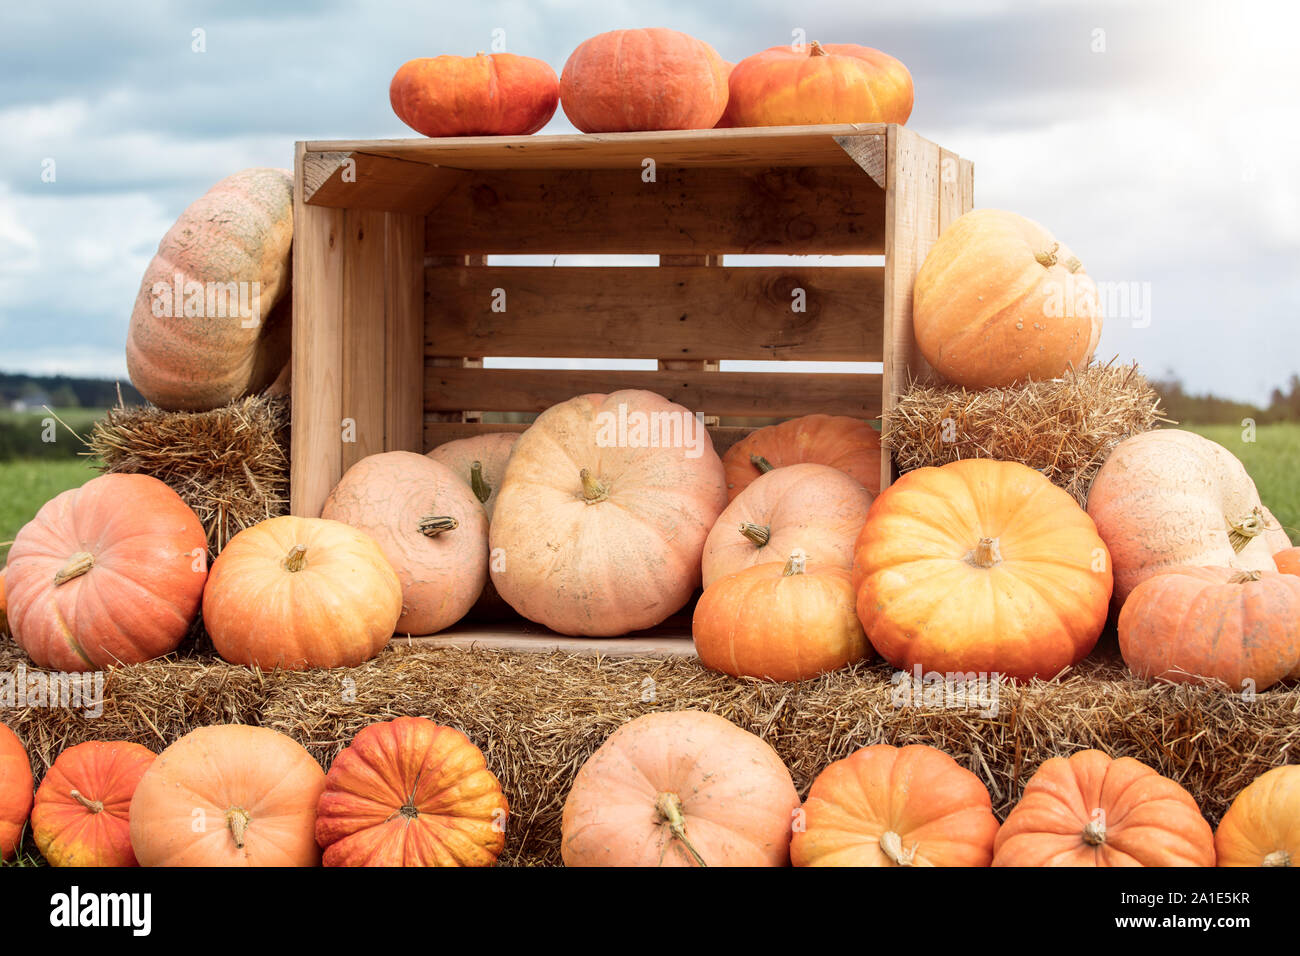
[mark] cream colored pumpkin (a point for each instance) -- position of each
(480, 462)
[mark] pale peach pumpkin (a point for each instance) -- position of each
(849, 444)
(480, 462)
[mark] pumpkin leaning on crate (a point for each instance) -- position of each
(489, 94)
(1091, 810)
(818, 83)
(896, 806)
(212, 318)
(651, 79)
(1170, 498)
(1192, 625)
(408, 792)
(783, 621)
(998, 300)
(1287, 561)
(228, 795)
(15, 791)
(299, 593)
(111, 572)
(480, 462)
(849, 444)
(1262, 827)
(600, 533)
(981, 566)
(680, 788)
(81, 814)
(430, 526)
(815, 508)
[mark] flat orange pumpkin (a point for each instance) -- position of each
(849, 444)
(497, 94)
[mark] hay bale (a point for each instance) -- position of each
(231, 464)
(539, 717)
(1065, 427)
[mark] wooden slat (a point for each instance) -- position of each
(317, 409)
(360, 180)
(404, 336)
(686, 211)
(439, 432)
(675, 312)
(772, 146)
(364, 339)
(870, 153)
(956, 187)
(712, 393)
(710, 262)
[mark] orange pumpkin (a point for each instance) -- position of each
(849, 444)
(81, 813)
(111, 572)
(15, 791)
(407, 792)
(818, 83)
(1287, 561)
(896, 806)
(982, 566)
(1090, 810)
(1171, 498)
(480, 462)
(1190, 625)
(998, 301)
(814, 508)
(430, 527)
(680, 788)
(299, 593)
(1262, 827)
(779, 621)
(228, 795)
(4, 615)
(497, 94)
(652, 79)
(602, 516)
(212, 318)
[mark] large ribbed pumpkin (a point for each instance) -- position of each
(1171, 498)
(601, 520)
(1262, 827)
(982, 566)
(1091, 810)
(480, 462)
(212, 319)
(998, 300)
(784, 620)
(111, 572)
(818, 83)
(81, 814)
(651, 79)
(228, 795)
(490, 94)
(816, 509)
(15, 791)
(408, 792)
(849, 444)
(430, 527)
(680, 788)
(298, 593)
(1191, 625)
(896, 806)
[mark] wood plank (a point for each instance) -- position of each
(360, 180)
(672, 312)
(956, 187)
(692, 364)
(772, 146)
(364, 336)
(753, 394)
(528, 638)
(686, 211)
(404, 333)
(439, 432)
(438, 355)
(870, 152)
(317, 389)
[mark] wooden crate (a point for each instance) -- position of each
(393, 288)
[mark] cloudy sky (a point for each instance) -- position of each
(1160, 140)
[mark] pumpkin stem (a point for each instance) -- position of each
(816, 49)
(1277, 858)
(593, 489)
(1244, 530)
(237, 819)
(1072, 264)
(669, 807)
(986, 554)
(296, 559)
(1244, 577)
(94, 806)
(891, 844)
(761, 463)
(796, 565)
(757, 533)
(482, 490)
(435, 525)
(1048, 259)
(1094, 834)
(77, 565)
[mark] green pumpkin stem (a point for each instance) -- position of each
(757, 533)
(593, 489)
(669, 808)
(435, 525)
(77, 565)
(761, 463)
(482, 490)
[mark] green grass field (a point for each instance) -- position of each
(1273, 460)
(27, 484)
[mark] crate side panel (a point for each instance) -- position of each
(404, 333)
(364, 336)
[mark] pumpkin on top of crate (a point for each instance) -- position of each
(488, 94)
(849, 444)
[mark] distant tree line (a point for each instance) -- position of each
(63, 391)
(1178, 404)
